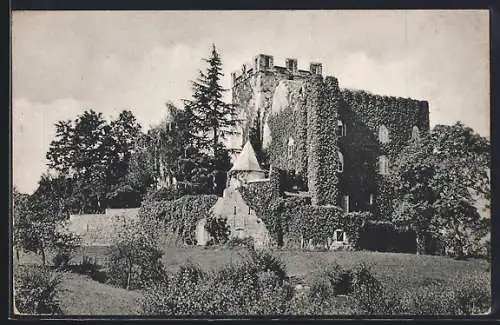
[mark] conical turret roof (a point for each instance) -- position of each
(247, 160)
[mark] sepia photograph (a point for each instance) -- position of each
(270, 163)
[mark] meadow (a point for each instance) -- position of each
(396, 271)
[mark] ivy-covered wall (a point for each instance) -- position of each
(322, 103)
(312, 123)
(181, 215)
(363, 113)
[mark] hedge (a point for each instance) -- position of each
(181, 215)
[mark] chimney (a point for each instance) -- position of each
(315, 68)
(291, 65)
(263, 62)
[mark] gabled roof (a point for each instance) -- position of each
(247, 160)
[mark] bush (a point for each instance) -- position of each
(163, 194)
(36, 289)
(179, 217)
(218, 229)
(247, 242)
(368, 292)
(331, 281)
(253, 287)
(263, 261)
(134, 265)
(61, 260)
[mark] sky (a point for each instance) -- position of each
(66, 62)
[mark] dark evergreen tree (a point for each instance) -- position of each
(213, 120)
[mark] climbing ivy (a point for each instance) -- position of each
(292, 220)
(363, 113)
(181, 215)
(323, 159)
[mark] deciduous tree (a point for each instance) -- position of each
(438, 179)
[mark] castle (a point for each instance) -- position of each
(335, 144)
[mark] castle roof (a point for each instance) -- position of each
(247, 160)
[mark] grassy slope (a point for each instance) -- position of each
(81, 295)
(84, 296)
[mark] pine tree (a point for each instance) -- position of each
(212, 118)
(216, 118)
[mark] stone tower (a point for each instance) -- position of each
(322, 102)
(254, 86)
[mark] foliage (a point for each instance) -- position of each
(172, 152)
(94, 156)
(36, 289)
(215, 119)
(253, 287)
(297, 221)
(211, 120)
(62, 260)
(234, 242)
(438, 179)
(19, 209)
(39, 224)
(87, 266)
(256, 138)
(332, 280)
(135, 258)
(218, 229)
(368, 291)
(179, 217)
(163, 194)
(383, 236)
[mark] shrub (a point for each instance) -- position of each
(367, 290)
(263, 261)
(218, 229)
(36, 289)
(179, 217)
(134, 265)
(163, 194)
(331, 281)
(247, 242)
(61, 260)
(253, 287)
(88, 266)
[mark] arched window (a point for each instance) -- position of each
(415, 133)
(340, 167)
(371, 199)
(383, 163)
(383, 134)
(291, 147)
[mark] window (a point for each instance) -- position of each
(339, 235)
(383, 134)
(345, 203)
(340, 167)
(341, 129)
(291, 147)
(383, 163)
(415, 133)
(371, 199)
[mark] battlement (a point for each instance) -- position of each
(264, 62)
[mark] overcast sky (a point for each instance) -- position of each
(66, 62)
